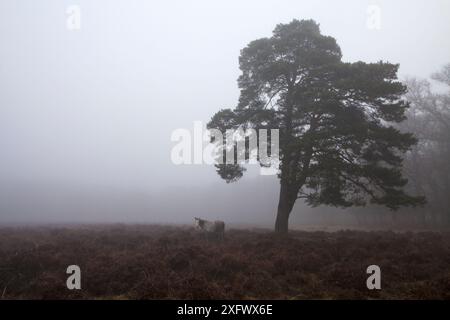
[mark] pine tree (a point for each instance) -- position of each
(338, 146)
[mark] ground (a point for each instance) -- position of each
(176, 262)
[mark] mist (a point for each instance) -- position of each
(86, 115)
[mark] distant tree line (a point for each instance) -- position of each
(427, 164)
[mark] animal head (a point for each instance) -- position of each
(199, 223)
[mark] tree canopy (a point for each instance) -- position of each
(338, 145)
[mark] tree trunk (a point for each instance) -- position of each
(285, 205)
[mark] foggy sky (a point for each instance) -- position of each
(92, 110)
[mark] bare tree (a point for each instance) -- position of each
(427, 165)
